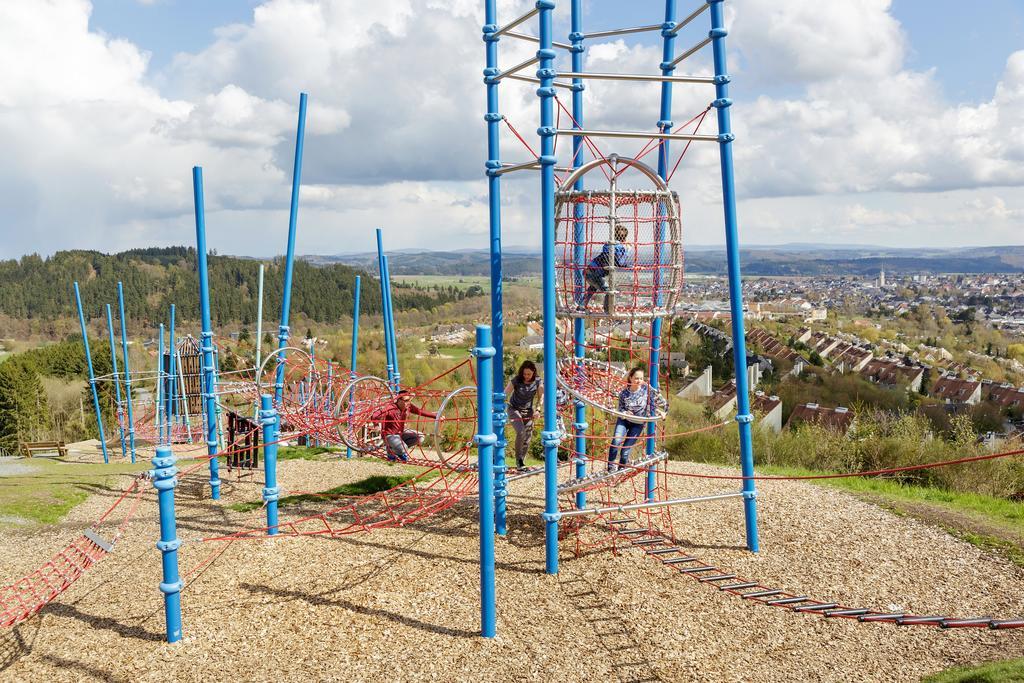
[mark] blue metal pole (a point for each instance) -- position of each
(171, 384)
(739, 350)
(92, 375)
(164, 482)
(493, 119)
(355, 347)
(117, 382)
(127, 370)
(665, 125)
(391, 323)
(580, 425)
(549, 435)
(384, 307)
(289, 261)
(160, 402)
(209, 388)
(271, 426)
(485, 439)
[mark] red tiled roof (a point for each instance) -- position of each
(839, 418)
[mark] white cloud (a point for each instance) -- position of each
(99, 150)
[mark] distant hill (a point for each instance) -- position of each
(783, 260)
(33, 287)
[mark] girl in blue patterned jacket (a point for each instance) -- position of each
(636, 399)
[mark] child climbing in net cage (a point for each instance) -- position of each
(638, 402)
(596, 275)
(392, 416)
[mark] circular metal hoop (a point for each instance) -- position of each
(275, 353)
(573, 372)
(365, 441)
(438, 436)
(618, 252)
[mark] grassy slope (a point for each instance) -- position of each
(52, 488)
(986, 521)
(996, 672)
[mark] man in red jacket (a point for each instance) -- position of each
(397, 439)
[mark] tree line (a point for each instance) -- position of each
(154, 278)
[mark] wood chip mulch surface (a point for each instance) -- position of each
(402, 604)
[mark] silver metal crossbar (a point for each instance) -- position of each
(528, 166)
(518, 67)
(693, 15)
(646, 506)
(638, 77)
(691, 51)
(529, 79)
(535, 39)
(515, 22)
(622, 31)
(638, 136)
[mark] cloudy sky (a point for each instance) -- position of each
(893, 122)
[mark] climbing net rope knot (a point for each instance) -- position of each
(598, 384)
(618, 252)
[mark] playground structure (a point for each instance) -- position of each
(612, 311)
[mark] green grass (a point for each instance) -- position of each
(1009, 671)
(304, 452)
(363, 487)
(47, 493)
(997, 510)
(457, 281)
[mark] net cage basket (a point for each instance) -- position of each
(618, 252)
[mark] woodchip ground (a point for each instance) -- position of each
(402, 604)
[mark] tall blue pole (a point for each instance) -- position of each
(485, 439)
(117, 381)
(384, 307)
(739, 350)
(127, 370)
(161, 399)
(92, 375)
(576, 37)
(164, 482)
(209, 388)
(355, 348)
(289, 261)
(493, 119)
(665, 125)
(171, 384)
(549, 435)
(392, 335)
(270, 420)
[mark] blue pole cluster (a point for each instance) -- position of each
(485, 439)
(493, 119)
(355, 348)
(127, 370)
(92, 375)
(289, 261)
(580, 425)
(172, 404)
(392, 335)
(549, 435)
(209, 388)
(164, 481)
(739, 350)
(271, 492)
(117, 381)
(161, 399)
(381, 268)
